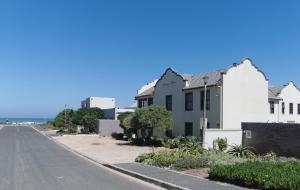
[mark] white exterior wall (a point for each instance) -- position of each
(245, 96)
(100, 102)
(275, 118)
(172, 84)
(289, 94)
(234, 137)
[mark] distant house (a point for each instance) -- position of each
(237, 94)
(108, 105)
(284, 103)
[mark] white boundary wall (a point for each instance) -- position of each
(234, 137)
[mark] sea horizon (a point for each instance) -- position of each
(25, 120)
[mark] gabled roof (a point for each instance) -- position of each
(197, 81)
(274, 93)
(276, 90)
(148, 92)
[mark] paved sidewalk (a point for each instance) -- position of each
(179, 179)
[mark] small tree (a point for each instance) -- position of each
(64, 119)
(149, 118)
(122, 118)
(86, 117)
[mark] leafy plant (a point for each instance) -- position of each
(222, 144)
(192, 145)
(240, 151)
(260, 174)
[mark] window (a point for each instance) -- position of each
(207, 100)
(188, 129)
(150, 101)
(291, 108)
(169, 102)
(208, 125)
(189, 101)
(142, 103)
(298, 109)
(283, 108)
(272, 108)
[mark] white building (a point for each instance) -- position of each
(284, 103)
(108, 105)
(99, 102)
(234, 95)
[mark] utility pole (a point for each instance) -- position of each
(204, 125)
(65, 115)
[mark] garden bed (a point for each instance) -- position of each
(258, 174)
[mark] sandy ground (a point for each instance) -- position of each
(104, 149)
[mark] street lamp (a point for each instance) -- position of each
(204, 124)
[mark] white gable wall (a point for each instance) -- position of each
(245, 96)
(290, 94)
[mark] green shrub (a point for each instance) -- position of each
(215, 157)
(222, 144)
(260, 174)
(192, 145)
(240, 151)
(190, 162)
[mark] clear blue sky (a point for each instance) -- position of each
(56, 52)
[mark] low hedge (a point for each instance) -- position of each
(277, 175)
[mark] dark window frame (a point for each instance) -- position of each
(298, 109)
(272, 107)
(283, 107)
(207, 100)
(142, 102)
(291, 108)
(150, 101)
(188, 129)
(189, 101)
(169, 102)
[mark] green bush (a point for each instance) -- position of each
(267, 175)
(159, 159)
(192, 145)
(222, 144)
(190, 162)
(215, 157)
(240, 151)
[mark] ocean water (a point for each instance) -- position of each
(25, 120)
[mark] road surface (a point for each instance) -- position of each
(30, 161)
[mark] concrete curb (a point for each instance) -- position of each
(139, 176)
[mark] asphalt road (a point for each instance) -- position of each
(30, 161)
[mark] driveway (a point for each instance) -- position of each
(30, 161)
(104, 149)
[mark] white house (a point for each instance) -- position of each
(284, 103)
(98, 102)
(234, 95)
(108, 105)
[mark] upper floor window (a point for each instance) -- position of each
(189, 101)
(142, 103)
(291, 108)
(283, 108)
(298, 109)
(150, 101)
(169, 102)
(272, 107)
(207, 100)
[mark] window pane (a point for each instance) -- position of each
(169, 102)
(207, 100)
(188, 129)
(283, 108)
(291, 108)
(298, 108)
(272, 109)
(189, 101)
(150, 101)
